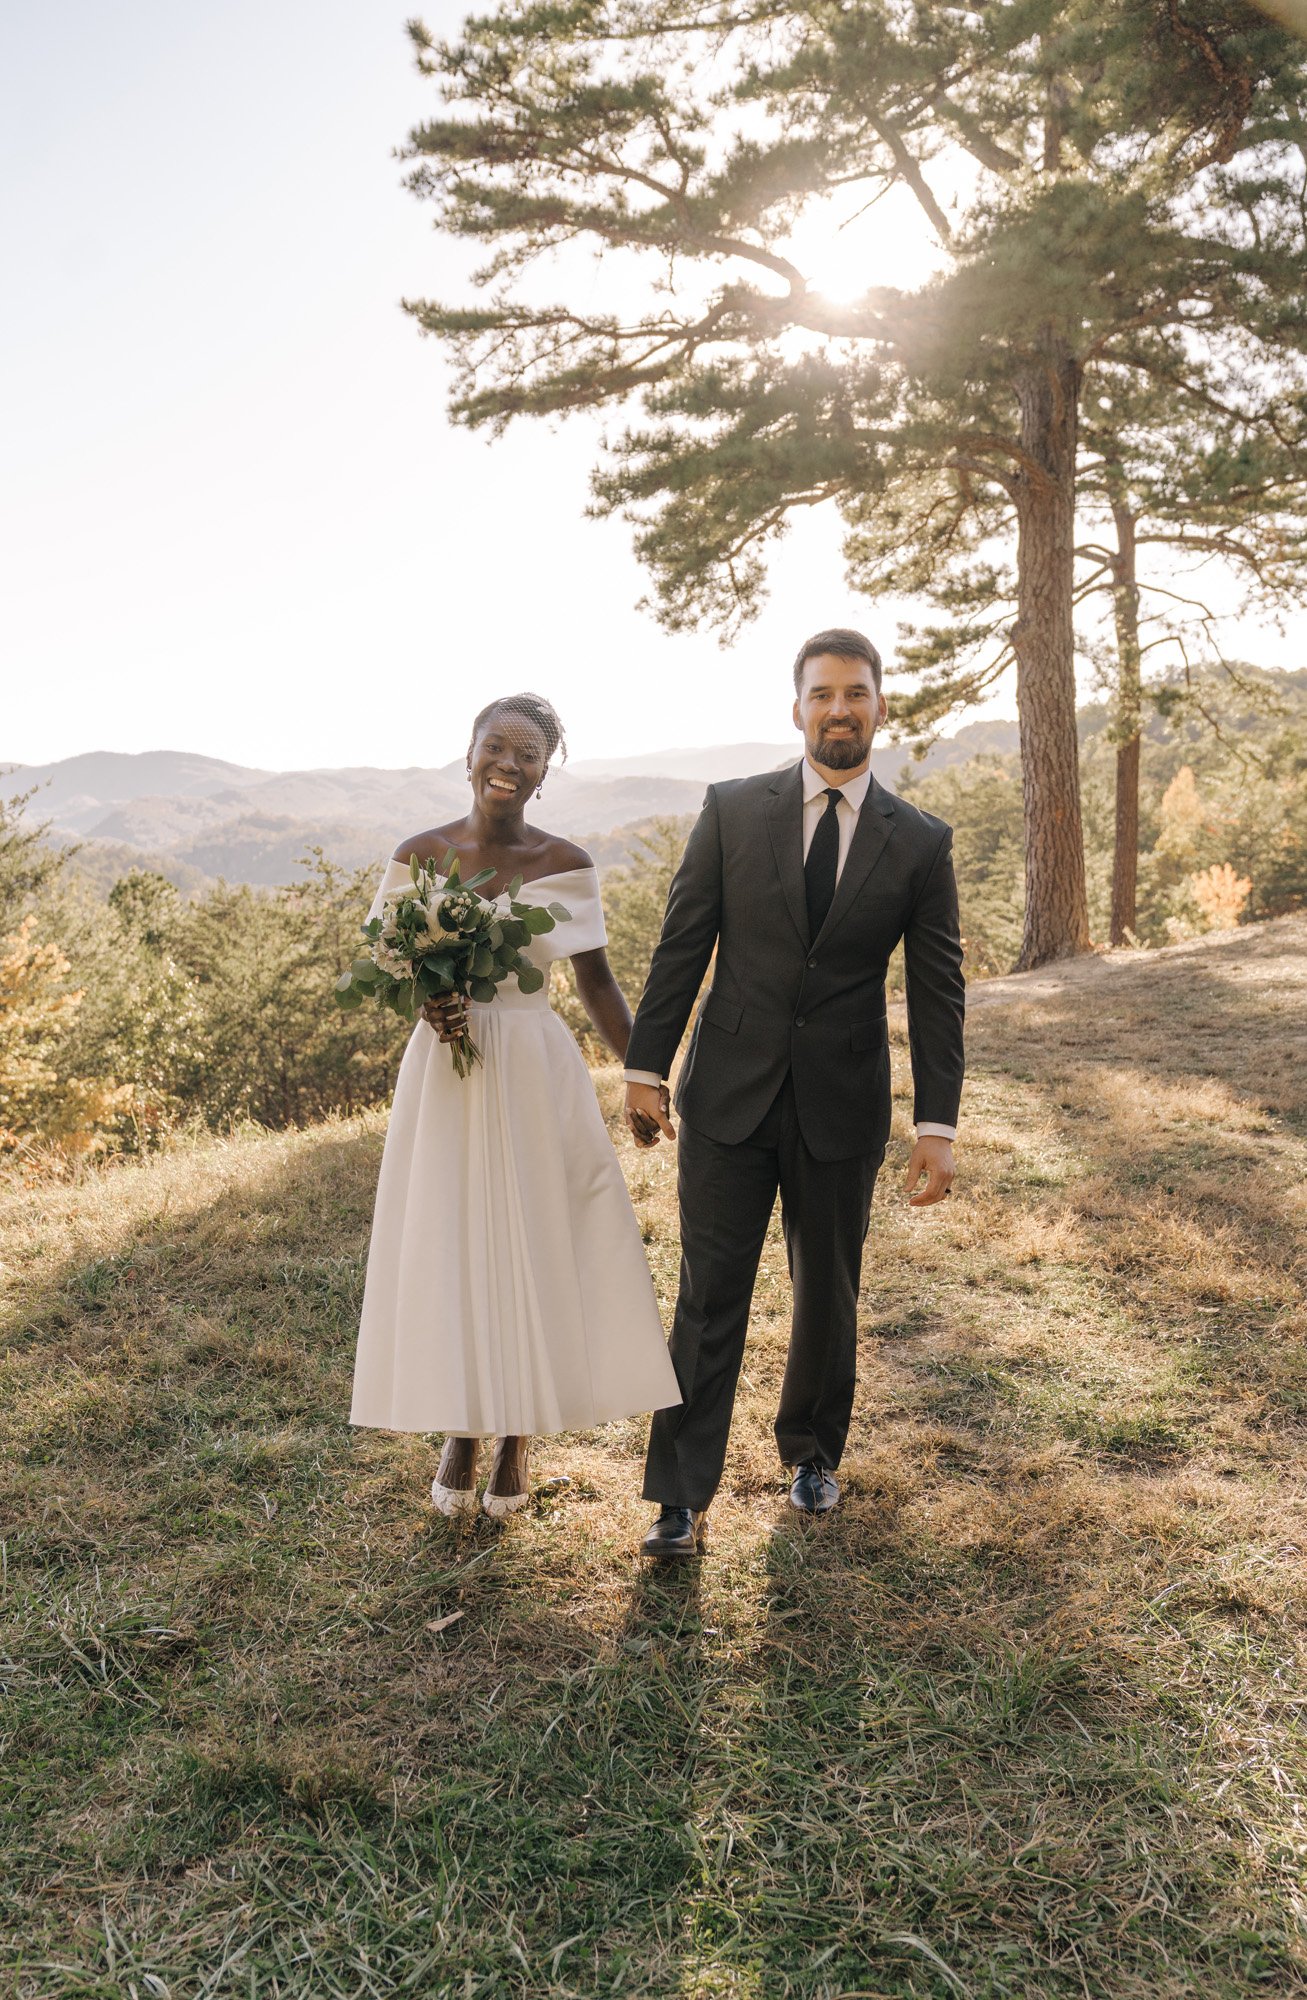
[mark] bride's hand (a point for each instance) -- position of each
(647, 1113)
(448, 1016)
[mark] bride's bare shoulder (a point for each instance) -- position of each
(432, 845)
(563, 855)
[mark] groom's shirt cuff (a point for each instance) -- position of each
(642, 1076)
(937, 1131)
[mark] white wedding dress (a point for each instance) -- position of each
(507, 1287)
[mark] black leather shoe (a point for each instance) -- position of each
(815, 1491)
(678, 1531)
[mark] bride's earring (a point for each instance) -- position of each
(540, 789)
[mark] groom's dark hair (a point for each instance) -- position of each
(845, 644)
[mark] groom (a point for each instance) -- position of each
(803, 881)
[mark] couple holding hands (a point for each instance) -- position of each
(507, 1294)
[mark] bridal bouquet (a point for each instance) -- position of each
(441, 938)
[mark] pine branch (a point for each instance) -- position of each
(912, 177)
(981, 145)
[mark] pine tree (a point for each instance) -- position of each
(1136, 184)
(1213, 470)
(29, 863)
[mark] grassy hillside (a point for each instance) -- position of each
(1025, 1718)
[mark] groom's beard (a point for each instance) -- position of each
(838, 751)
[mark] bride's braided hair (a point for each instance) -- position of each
(532, 708)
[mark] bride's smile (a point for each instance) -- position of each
(506, 766)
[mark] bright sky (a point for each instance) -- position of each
(234, 518)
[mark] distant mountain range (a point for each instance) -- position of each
(197, 818)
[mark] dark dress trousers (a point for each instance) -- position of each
(786, 1087)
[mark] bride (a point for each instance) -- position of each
(507, 1290)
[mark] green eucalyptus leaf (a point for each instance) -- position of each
(559, 913)
(530, 979)
(514, 888)
(483, 989)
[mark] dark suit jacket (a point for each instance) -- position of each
(781, 1000)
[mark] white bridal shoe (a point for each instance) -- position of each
(499, 1505)
(456, 1499)
(453, 1499)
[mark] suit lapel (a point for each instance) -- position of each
(870, 836)
(785, 827)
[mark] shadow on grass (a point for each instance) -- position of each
(276, 1720)
(281, 1730)
(918, 1802)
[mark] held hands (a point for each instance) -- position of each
(648, 1108)
(933, 1157)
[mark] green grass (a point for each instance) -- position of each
(1023, 1718)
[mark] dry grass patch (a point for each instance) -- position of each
(1024, 1718)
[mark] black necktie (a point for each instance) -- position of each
(819, 868)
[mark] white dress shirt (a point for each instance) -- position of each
(853, 794)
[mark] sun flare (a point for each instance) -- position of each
(844, 249)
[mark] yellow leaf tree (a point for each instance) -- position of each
(1220, 894)
(36, 1011)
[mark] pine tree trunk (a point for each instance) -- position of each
(1057, 913)
(1129, 702)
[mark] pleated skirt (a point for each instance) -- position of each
(507, 1287)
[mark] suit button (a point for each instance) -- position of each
(799, 1022)
(811, 963)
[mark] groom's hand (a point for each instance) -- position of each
(647, 1112)
(933, 1157)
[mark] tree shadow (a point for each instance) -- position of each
(930, 1796)
(257, 1674)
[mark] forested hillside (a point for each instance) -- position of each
(1222, 827)
(129, 1010)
